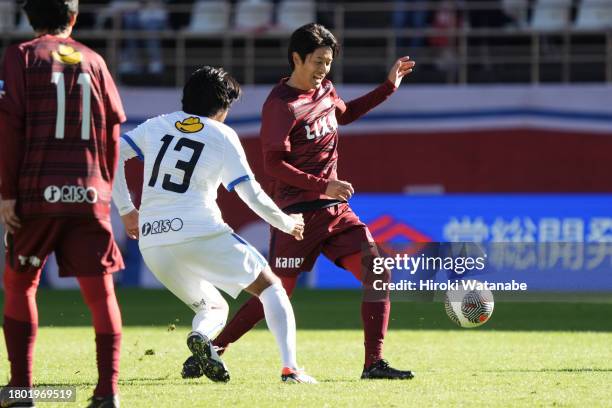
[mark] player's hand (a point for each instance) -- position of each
(130, 221)
(298, 230)
(340, 190)
(400, 69)
(8, 217)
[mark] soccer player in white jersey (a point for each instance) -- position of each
(182, 236)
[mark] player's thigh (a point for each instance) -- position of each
(288, 256)
(174, 267)
(27, 249)
(225, 261)
(234, 264)
(87, 248)
(349, 235)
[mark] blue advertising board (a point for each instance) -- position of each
(534, 224)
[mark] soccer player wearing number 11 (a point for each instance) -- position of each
(60, 115)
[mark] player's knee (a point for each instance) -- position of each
(278, 290)
(264, 280)
(223, 311)
(19, 284)
(270, 277)
(96, 288)
(364, 265)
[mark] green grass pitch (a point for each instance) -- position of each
(529, 354)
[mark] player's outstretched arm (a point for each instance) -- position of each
(252, 194)
(349, 112)
(121, 194)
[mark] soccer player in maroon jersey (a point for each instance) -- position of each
(60, 115)
(299, 136)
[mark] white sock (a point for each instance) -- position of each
(210, 321)
(281, 322)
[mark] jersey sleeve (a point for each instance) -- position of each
(236, 167)
(121, 193)
(12, 86)
(12, 117)
(277, 120)
(114, 107)
(353, 110)
(136, 138)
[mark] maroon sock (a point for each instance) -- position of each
(20, 338)
(375, 306)
(375, 317)
(99, 295)
(248, 316)
(244, 320)
(20, 323)
(107, 354)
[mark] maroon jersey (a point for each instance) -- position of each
(58, 106)
(304, 125)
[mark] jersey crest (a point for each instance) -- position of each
(67, 55)
(190, 125)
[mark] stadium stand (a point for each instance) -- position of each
(479, 41)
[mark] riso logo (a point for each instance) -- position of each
(161, 226)
(71, 194)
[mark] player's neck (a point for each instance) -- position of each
(294, 82)
(64, 34)
(219, 116)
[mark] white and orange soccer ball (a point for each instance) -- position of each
(469, 308)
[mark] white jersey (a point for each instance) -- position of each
(186, 157)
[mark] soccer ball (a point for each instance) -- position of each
(469, 308)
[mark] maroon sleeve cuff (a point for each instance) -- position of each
(388, 86)
(8, 193)
(322, 183)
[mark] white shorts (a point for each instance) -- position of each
(190, 269)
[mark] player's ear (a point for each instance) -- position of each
(73, 19)
(297, 60)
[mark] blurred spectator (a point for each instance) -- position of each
(146, 15)
(153, 16)
(483, 14)
(446, 20)
(414, 17)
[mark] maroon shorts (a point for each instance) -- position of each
(82, 246)
(335, 231)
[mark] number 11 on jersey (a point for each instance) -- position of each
(84, 80)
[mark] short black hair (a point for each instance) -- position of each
(209, 90)
(306, 39)
(50, 16)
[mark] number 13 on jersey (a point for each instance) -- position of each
(186, 166)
